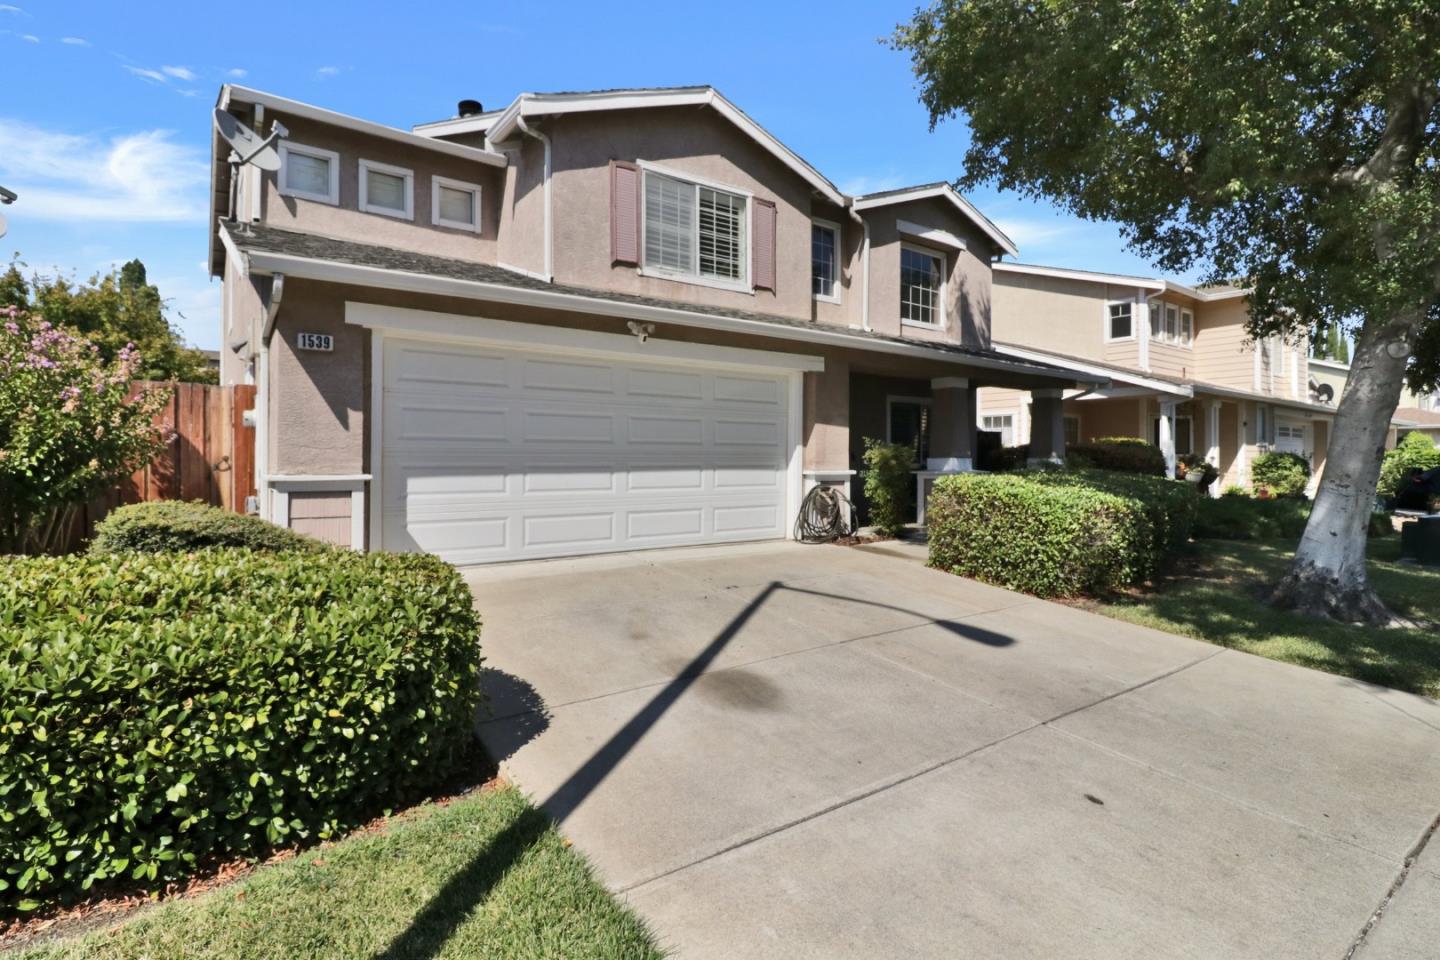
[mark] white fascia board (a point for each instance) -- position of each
(231, 93)
(1060, 273)
(1204, 296)
(480, 123)
(986, 225)
(1219, 391)
(331, 271)
(1135, 379)
(429, 324)
(1329, 364)
(933, 234)
(540, 105)
(242, 263)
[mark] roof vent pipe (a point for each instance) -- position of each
(470, 108)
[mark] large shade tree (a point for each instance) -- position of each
(1287, 144)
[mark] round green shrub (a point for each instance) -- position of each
(161, 709)
(1048, 539)
(1414, 452)
(1282, 474)
(164, 525)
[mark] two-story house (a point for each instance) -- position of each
(1184, 373)
(591, 322)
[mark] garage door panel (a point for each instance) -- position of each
(545, 455)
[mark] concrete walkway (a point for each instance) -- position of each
(787, 751)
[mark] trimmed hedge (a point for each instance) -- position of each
(1244, 518)
(1281, 474)
(1053, 533)
(1125, 454)
(1170, 506)
(161, 709)
(889, 485)
(1415, 451)
(190, 525)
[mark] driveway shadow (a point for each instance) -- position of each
(514, 715)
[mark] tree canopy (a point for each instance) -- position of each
(1292, 146)
(111, 311)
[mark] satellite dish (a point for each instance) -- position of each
(1325, 392)
(246, 145)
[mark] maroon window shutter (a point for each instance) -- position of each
(624, 212)
(762, 261)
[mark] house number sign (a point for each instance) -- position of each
(315, 341)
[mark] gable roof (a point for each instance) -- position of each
(501, 126)
(885, 198)
(1207, 293)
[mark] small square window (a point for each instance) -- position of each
(825, 261)
(309, 173)
(387, 190)
(1001, 423)
(454, 203)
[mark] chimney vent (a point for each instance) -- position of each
(470, 108)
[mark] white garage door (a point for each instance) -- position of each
(499, 454)
(1290, 438)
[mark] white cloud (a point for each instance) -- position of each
(29, 38)
(327, 71)
(7, 8)
(193, 305)
(1039, 232)
(236, 73)
(858, 186)
(179, 73)
(75, 41)
(136, 177)
(154, 75)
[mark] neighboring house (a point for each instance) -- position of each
(1418, 413)
(1184, 373)
(591, 322)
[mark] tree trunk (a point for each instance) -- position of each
(1328, 577)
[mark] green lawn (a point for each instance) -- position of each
(483, 876)
(1214, 595)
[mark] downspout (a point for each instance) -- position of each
(549, 234)
(864, 268)
(262, 396)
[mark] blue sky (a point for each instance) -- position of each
(105, 113)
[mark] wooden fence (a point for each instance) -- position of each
(211, 458)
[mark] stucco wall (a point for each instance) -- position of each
(346, 222)
(241, 316)
(968, 292)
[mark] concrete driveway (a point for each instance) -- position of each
(788, 751)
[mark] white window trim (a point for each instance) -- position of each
(1187, 342)
(436, 182)
(1179, 342)
(288, 147)
(406, 174)
(1013, 414)
(1106, 320)
(940, 295)
(835, 228)
(747, 285)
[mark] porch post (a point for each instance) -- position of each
(1212, 440)
(1047, 426)
(952, 425)
(1167, 435)
(825, 425)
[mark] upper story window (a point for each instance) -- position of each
(387, 190)
(1170, 323)
(696, 231)
(455, 203)
(309, 172)
(922, 286)
(825, 260)
(1120, 321)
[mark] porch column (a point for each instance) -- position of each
(1047, 426)
(827, 426)
(1167, 435)
(952, 425)
(1212, 441)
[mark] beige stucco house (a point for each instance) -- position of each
(1184, 373)
(592, 322)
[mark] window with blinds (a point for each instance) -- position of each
(694, 230)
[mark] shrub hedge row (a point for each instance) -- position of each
(1057, 533)
(1245, 518)
(160, 709)
(1280, 474)
(1124, 454)
(190, 525)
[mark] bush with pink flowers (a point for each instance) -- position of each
(69, 429)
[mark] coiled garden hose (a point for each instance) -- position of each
(826, 515)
